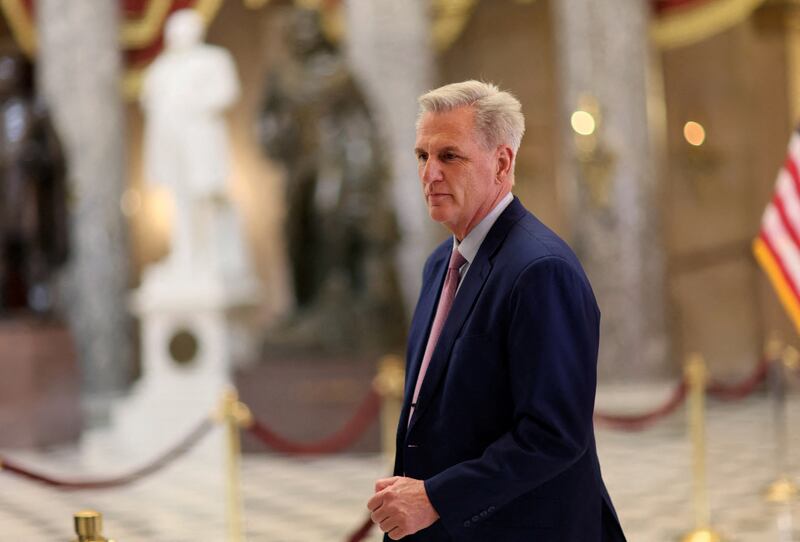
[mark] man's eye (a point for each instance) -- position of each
(448, 156)
(422, 157)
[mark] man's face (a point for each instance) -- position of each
(462, 180)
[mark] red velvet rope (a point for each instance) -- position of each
(159, 463)
(637, 422)
(740, 390)
(717, 390)
(366, 413)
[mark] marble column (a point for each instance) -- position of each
(611, 190)
(389, 48)
(79, 66)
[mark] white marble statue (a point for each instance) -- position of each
(202, 295)
(185, 93)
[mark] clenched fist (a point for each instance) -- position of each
(401, 507)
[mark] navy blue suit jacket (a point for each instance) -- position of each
(502, 431)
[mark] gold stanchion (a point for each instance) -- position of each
(89, 527)
(234, 414)
(696, 374)
(389, 384)
(783, 489)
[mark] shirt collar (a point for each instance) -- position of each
(469, 246)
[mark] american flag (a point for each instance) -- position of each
(777, 247)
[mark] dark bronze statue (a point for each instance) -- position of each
(340, 226)
(33, 214)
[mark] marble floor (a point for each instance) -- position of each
(314, 499)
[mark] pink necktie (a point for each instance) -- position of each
(442, 310)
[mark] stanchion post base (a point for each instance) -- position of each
(781, 490)
(701, 535)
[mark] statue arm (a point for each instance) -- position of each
(222, 88)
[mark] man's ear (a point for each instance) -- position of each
(505, 158)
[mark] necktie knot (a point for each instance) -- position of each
(456, 260)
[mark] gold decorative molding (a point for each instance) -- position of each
(207, 9)
(132, 83)
(139, 33)
(333, 23)
(450, 17)
(136, 33)
(21, 25)
(687, 25)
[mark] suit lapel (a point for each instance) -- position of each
(465, 299)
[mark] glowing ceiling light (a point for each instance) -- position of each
(694, 133)
(583, 122)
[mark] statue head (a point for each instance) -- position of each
(184, 29)
(16, 75)
(305, 34)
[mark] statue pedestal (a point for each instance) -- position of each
(193, 332)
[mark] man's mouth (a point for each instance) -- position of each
(434, 198)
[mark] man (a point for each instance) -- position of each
(495, 441)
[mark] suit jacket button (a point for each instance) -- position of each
(467, 524)
(484, 514)
(476, 518)
(491, 510)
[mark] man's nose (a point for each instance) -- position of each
(431, 172)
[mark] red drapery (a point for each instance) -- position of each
(143, 14)
(140, 34)
(664, 6)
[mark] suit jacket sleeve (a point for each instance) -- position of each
(551, 345)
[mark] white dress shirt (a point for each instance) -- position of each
(468, 247)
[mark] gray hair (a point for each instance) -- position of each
(498, 114)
